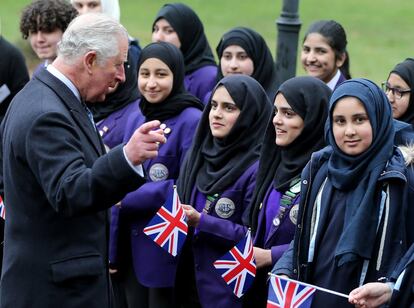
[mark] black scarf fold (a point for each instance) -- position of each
(179, 99)
(214, 164)
(194, 45)
(257, 50)
(309, 98)
(405, 70)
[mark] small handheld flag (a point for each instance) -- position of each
(289, 293)
(237, 267)
(2, 209)
(168, 227)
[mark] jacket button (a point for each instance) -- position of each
(305, 182)
(299, 226)
(295, 271)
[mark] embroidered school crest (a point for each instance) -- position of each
(225, 208)
(293, 214)
(158, 172)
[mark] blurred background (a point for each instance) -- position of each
(380, 32)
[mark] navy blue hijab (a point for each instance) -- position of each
(358, 175)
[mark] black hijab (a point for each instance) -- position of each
(179, 99)
(309, 98)
(257, 50)
(194, 45)
(126, 92)
(214, 164)
(406, 71)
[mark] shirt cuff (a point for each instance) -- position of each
(138, 169)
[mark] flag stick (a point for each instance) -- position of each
(311, 285)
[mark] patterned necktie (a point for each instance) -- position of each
(89, 113)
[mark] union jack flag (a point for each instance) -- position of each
(285, 293)
(168, 227)
(2, 209)
(237, 267)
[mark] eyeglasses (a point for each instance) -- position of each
(397, 93)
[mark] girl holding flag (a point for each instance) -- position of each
(147, 272)
(293, 134)
(357, 195)
(215, 185)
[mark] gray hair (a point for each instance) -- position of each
(88, 32)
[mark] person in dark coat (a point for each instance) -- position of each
(56, 180)
(324, 54)
(178, 24)
(293, 134)
(215, 186)
(355, 213)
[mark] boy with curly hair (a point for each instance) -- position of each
(43, 22)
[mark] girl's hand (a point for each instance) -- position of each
(370, 295)
(263, 257)
(193, 217)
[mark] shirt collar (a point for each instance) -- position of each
(332, 83)
(55, 72)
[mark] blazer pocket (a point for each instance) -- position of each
(77, 267)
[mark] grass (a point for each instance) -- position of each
(379, 32)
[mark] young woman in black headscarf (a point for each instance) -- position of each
(293, 134)
(215, 186)
(147, 271)
(178, 24)
(244, 51)
(324, 54)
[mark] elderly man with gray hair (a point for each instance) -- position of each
(56, 180)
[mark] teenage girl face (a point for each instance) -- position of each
(399, 105)
(351, 126)
(87, 6)
(164, 32)
(236, 61)
(223, 114)
(288, 124)
(155, 80)
(319, 59)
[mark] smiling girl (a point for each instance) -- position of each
(355, 212)
(146, 271)
(293, 134)
(215, 186)
(324, 53)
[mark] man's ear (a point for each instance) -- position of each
(89, 60)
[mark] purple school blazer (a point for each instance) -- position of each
(153, 266)
(112, 128)
(201, 81)
(216, 234)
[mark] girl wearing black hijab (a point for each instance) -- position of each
(147, 271)
(294, 133)
(178, 24)
(355, 214)
(244, 51)
(399, 89)
(215, 186)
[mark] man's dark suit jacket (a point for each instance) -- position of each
(57, 186)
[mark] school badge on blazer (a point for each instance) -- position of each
(158, 172)
(293, 214)
(225, 208)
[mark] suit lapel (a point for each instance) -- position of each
(75, 107)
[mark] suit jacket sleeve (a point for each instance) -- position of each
(73, 180)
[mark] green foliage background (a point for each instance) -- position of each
(380, 32)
